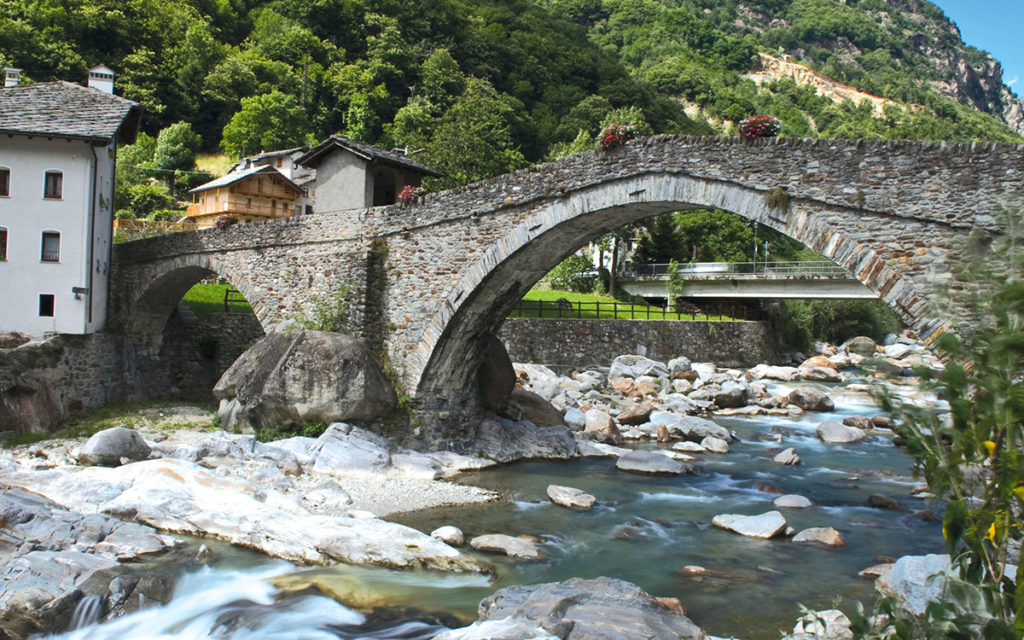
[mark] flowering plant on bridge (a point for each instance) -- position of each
(410, 194)
(616, 134)
(760, 127)
(224, 221)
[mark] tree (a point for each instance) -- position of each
(266, 122)
(176, 148)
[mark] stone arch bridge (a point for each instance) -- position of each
(427, 284)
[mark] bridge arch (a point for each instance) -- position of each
(455, 337)
(168, 281)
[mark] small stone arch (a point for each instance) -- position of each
(446, 358)
(152, 306)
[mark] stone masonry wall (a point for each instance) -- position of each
(581, 343)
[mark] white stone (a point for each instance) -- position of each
(765, 525)
(449, 535)
(792, 501)
(810, 627)
(787, 456)
(570, 497)
(688, 447)
(821, 535)
(715, 445)
(834, 432)
(518, 548)
(911, 581)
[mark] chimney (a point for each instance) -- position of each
(102, 78)
(11, 76)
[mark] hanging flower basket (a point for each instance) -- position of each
(224, 221)
(760, 127)
(411, 194)
(615, 135)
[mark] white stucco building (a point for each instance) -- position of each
(58, 143)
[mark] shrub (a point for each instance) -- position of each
(575, 273)
(615, 135)
(760, 127)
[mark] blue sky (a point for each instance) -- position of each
(994, 26)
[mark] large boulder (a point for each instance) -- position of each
(507, 440)
(108, 447)
(630, 366)
(303, 376)
(577, 609)
(733, 394)
(570, 497)
(914, 581)
(496, 377)
(691, 428)
(527, 405)
(810, 399)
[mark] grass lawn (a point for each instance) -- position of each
(207, 299)
(541, 303)
(216, 163)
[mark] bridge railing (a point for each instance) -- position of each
(622, 311)
(810, 269)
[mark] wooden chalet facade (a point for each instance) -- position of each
(255, 194)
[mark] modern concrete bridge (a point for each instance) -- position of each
(764, 280)
(428, 284)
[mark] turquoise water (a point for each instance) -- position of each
(644, 529)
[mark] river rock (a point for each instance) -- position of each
(819, 374)
(300, 377)
(449, 535)
(507, 440)
(910, 581)
(652, 463)
(768, 372)
(875, 571)
(898, 351)
(733, 394)
(830, 624)
(496, 377)
(834, 432)
(705, 370)
(861, 345)
(882, 366)
(858, 422)
(637, 414)
(690, 428)
(677, 366)
(821, 535)
(526, 405)
(518, 548)
(688, 447)
(107, 447)
(587, 449)
(416, 465)
(765, 525)
(577, 609)
(632, 366)
(346, 449)
(570, 497)
(792, 501)
(714, 445)
(879, 501)
(810, 399)
(575, 419)
(787, 456)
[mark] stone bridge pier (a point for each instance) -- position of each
(427, 284)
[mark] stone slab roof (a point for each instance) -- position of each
(365, 151)
(242, 174)
(68, 110)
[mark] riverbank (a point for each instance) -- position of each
(317, 501)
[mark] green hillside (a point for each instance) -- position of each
(486, 86)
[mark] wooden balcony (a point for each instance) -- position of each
(241, 209)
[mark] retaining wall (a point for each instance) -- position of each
(579, 343)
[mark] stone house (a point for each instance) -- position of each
(354, 175)
(58, 146)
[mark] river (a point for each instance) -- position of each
(644, 530)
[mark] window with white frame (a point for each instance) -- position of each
(53, 185)
(51, 247)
